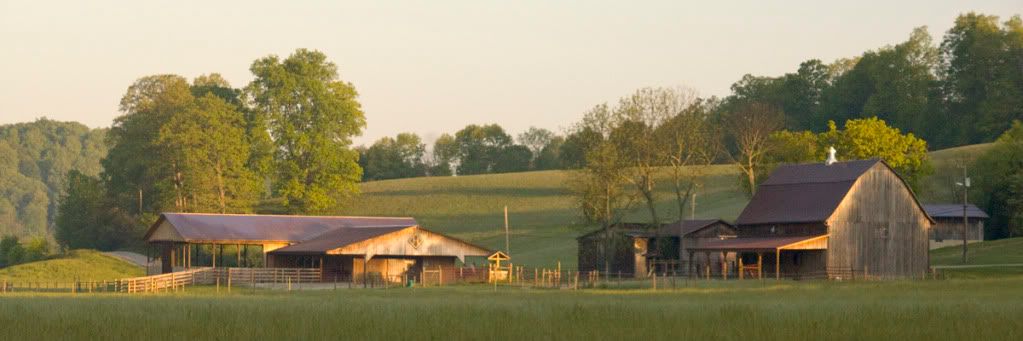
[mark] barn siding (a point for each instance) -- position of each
(879, 228)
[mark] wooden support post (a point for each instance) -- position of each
(777, 264)
(738, 258)
(724, 265)
(213, 255)
(238, 251)
(707, 255)
(760, 265)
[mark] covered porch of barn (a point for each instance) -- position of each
(387, 254)
(790, 257)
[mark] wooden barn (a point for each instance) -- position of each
(633, 251)
(341, 247)
(834, 219)
(948, 224)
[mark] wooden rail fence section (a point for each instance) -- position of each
(218, 276)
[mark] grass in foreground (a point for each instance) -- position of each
(954, 309)
(84, 265)
(1002, 251)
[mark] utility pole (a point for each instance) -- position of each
(966, 221)
(507, 250)
(692, 203)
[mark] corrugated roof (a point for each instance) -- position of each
(253, 227)
(337, 238)
(765, 243)
(806, 193)
(640, 229)
(954, 211)
(794, 203)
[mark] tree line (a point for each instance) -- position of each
(966, 89)
(475, 149)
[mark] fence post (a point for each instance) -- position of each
(229, 280)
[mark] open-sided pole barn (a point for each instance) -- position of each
(340, 247)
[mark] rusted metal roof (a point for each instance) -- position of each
(337, 238)
(806, 193)
(260, 228)
(689, 226)
(794, 203)
(954, 211)
(749, 244)
(819, 172)
(634, 229)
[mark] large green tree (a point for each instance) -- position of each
(209, 148)
(393, 158)
(999, 175)
(982, 77)
(896, 84)
(88, 219)
(479, 147)
(865, 138)
(312, 116)
(137, 168)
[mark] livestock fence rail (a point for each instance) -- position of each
(519, 276)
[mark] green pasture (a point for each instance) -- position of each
(980, 309)
(1003, 251)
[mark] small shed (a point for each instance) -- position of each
(632, 251)
(948, 224)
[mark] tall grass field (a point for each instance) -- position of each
(988, 309)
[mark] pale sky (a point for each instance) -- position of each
(431, 67)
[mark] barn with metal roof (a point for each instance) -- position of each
(829, 219)
(345, 247)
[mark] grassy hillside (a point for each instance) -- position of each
(938, 186)
(543, 216)
(86, 265)
(542, 213)
(1004, 251)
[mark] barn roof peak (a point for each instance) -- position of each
(806, 193)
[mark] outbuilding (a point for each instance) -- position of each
(948, 224)
(631, 248)
(340, 247)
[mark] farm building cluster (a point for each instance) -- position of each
(833, 220)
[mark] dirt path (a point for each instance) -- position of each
(131, 257)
